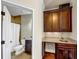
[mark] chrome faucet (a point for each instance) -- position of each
(62, 35)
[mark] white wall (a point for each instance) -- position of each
(74, 19)
(37, 6)
(26, 26)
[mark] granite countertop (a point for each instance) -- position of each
(59, 40)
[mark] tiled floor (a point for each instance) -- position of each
(22, 56)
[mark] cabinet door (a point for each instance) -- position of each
(55, 21)
(28, 46)
(66, 51)
(60, 53)
(47, 22)
(72, 53)
(65, 20)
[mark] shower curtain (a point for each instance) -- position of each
(15, 35)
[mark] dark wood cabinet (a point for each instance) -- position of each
(55, 21)
(28, 46)
(66, 51)
(47, 22)
(58, 20)
(51, 21)
(66, 20)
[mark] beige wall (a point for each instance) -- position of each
(26, 26)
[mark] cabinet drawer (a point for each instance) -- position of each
(66, 51)
(70, 46)
(60, 45)
(66, 45)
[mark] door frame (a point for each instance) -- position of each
(22, 6)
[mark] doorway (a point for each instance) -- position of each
(17, 31)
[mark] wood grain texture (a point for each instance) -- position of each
(55, 21)
(47, 22)
(49, 55)
(59, 20)
(66, 51)
(65, 20)
(16, 19)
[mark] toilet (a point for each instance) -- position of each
(19, 48)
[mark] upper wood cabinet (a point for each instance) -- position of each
(66, 20)
(58, 20)
(47, 22)
(55, 21)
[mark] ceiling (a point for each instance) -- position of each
(14, 11)
(49, 4)
(17, 10)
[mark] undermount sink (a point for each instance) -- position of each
(63, 40)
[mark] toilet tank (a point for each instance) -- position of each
(23, 42)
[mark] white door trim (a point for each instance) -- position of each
(26, 7)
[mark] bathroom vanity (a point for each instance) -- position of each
(66, 51)
(28, 46)
(64, 48)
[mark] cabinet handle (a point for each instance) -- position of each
(70, 55)
(66, 54)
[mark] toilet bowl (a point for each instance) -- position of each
(19, 48)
